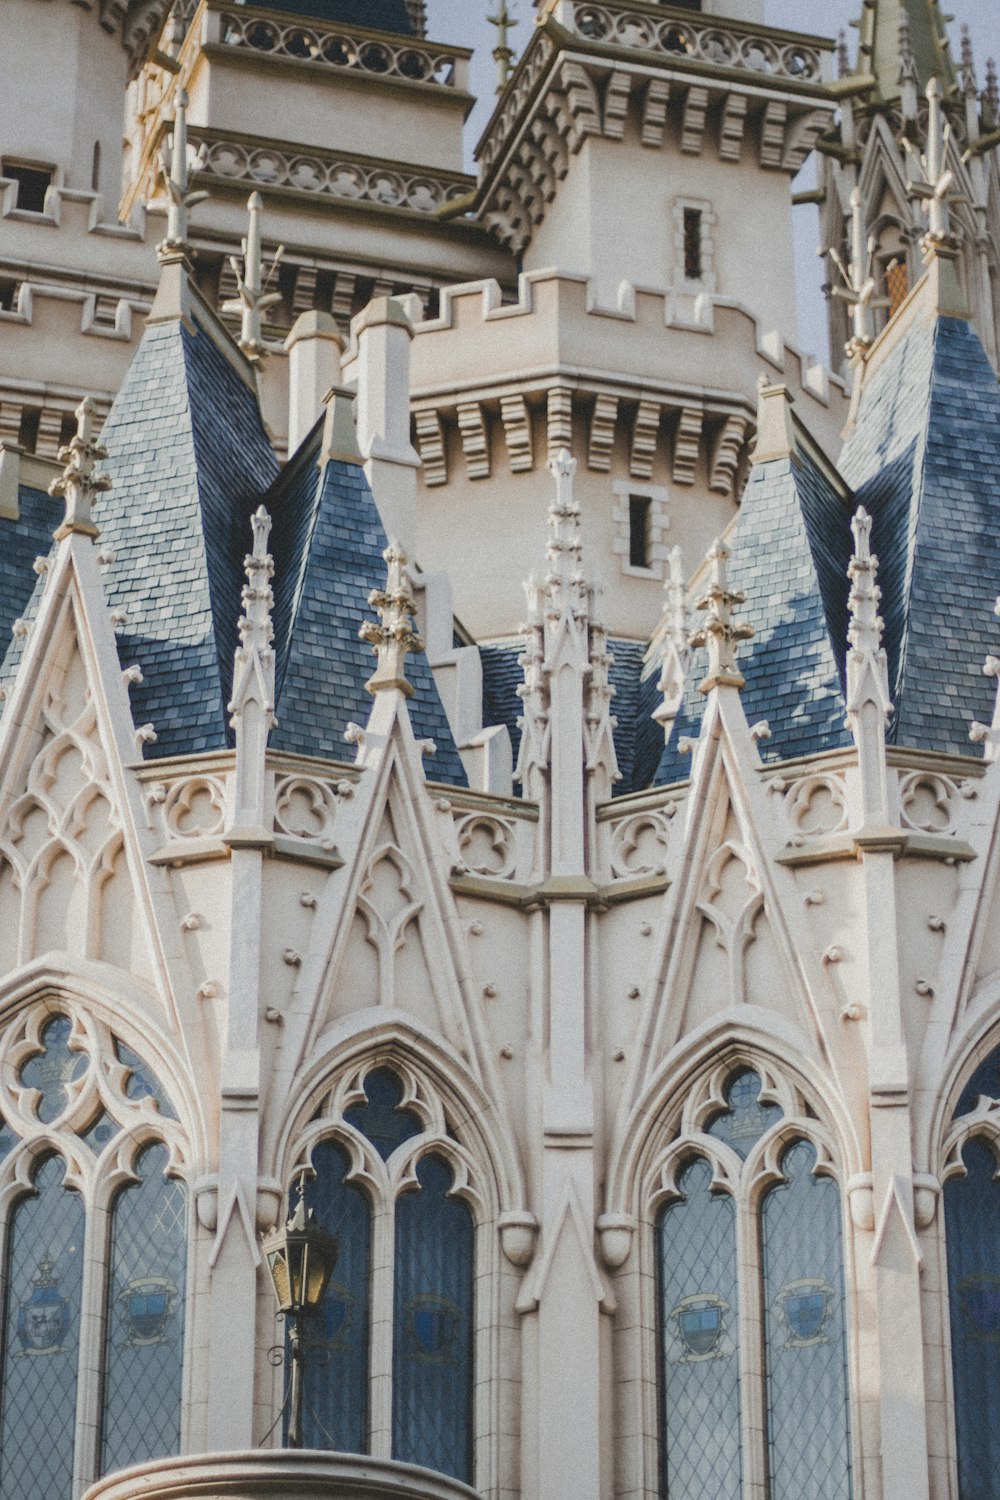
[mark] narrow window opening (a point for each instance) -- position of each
(639, 515)
(95, 169)
(105, 312)
(692, 244)
(27, 436)
(32, 184)
(897, 284)
(8, 294)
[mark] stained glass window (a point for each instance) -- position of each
(8, 1139)
(381, 1120)
(432, 1326)
(972, 1221)
(807, 1402)
(41, 1328)
(142, 1082)
(985, 1083)
(51, 1070)
(699, 1341)
(746, 1119)
(103, 1130)
(143, 1352)
(336, 1340)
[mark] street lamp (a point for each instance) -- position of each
(300, 1257)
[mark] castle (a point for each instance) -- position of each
(494, 736)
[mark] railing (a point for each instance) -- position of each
(329, 47)
(699, 41)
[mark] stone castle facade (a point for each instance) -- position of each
(492, 734)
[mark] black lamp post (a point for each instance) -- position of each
(300, 1257)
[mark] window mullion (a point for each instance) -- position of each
(753, 1406)
(380, 1354)
(92, 1312)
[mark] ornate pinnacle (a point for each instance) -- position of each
(933, 189)
(503, 52)
(864, 633)
(565, 587)
(533, 722)
(78, 484)
(969, 83)
(176, 180)
(393, 636)
(600, 721)
(675, 653)
(843, 56)
(720, 633)
(860, 285)
(992, 92)
(252, 296)
(255, 654)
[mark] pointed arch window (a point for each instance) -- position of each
(390, 1358)
(92, 1215)
(972, 1231)
(752, 1324)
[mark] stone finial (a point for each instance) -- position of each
(991, 94)
(78, 484)
(969, 84)
(532, 757)
(843, 56)
(176, 180)
(565, 588)
(602, 758)
(252, 296)
(503, 52)
(866, 655)
(719, 632)
(675, 651)
(934, 186)
(254, 663)
(393, 635)
(860, 284)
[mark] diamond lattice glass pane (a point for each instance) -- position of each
(972, 1221)
(142, 1082)
(41, 1322)
(335, 1341)
(143, 1351)
(984, 1083)
(53, 1068)
(808, 1419)
(381, 1120)
(8, 1140)
(432, 1326)
(103, 1130)
(700, 1397)
(745, 1121)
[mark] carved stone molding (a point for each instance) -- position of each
(333, 47)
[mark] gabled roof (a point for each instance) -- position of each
(924, 458)
(327, 543)
(189, 458)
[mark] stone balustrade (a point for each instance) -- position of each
(308, 1474)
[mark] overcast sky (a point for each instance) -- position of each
(463, 22)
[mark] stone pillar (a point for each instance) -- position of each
(383, 334)
(314, 347)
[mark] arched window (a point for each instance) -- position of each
(80, 1112)
(752, 1329)
(389, 1360)
(972, 1228)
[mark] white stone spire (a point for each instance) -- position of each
(78, 484)
(252, 704)
(909, 78)
(933, 188)
(601, 756)
(675, 650)
(503, 52)
(719, 632)
(392, 637)
(860, 285)
(565, 588)
(176, 180)
(252, 294)
(868, 701)
(533, 753)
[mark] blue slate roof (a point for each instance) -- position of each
(924, 458)
(790, 550)
(327, 543)
(21, 542)
(189, 459)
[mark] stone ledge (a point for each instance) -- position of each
(257, 1475)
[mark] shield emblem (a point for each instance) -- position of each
(700, 1322)
(147, 1305)
(806, 1308)
(43, 1317)
(432, 1324)
(980, 1297)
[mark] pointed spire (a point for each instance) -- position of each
(969, 83)
(843, 56)
(675, 650)
(393, 636)
(720, 633)
(565, 588)
(860, 285)
(254, 664)
(601, 756)
(532, 756)
(881, 48)
(909, 78)
(176, 179)
(992, 92)
(251, 285)
(868, 703)
(78, 484)
(933, 189)
(503, 52)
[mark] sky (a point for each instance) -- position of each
(463, 23)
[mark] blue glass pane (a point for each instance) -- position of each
(432, 1336)
(41, 1324)
(972, 1223)
(381, 1120)
(143, 1351)
(745, 1121)
(984, 1082)
(808, 1424)
(8, 1140)
(103, 1130)
(53, 1068)
(336, 1340)
(142, 1082)
(698, 1298)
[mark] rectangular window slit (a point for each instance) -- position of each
(692, 244)
(640, 509)
(32, 184)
